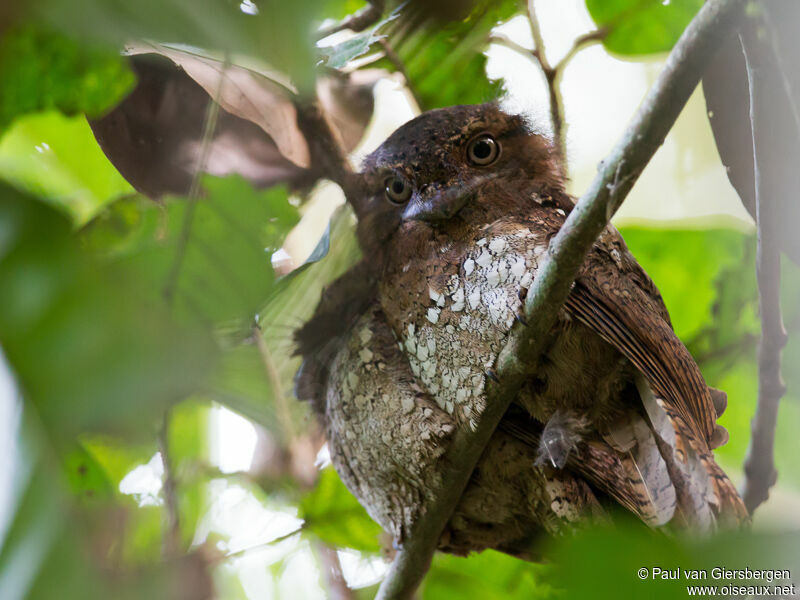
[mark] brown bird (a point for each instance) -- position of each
(458, 208)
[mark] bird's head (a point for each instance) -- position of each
(434, 168)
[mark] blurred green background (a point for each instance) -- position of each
(150, 445)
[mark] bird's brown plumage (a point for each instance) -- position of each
(616, 410)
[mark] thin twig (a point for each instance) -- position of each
(277, 540)
(759, 466)
(209, 127)
(367, 16)
(554, 91)
(335, 583)
(580, 43)
(172, 537)
(503, 40)
(552, 74)
(274, 378)
(398, 64)
(567, 251)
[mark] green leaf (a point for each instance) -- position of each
(339, 55)
(280, 33)
(209, 257)
(605, 563)
(243, 383)
(332, 513)
(445, 61)
(87, 479)
(640, 27)
(41, 70)
(489, 575)
(57, 158)
(88, 353)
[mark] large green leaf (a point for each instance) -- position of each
(244, 382)
(57, 158)
(87, 351)
(40, 70)
(445, 61)
(640, 27)
(279, 33)
(489, 575)
(622, 562)
(208, 257)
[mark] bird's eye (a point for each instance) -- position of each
(483, 150)
(397, 189)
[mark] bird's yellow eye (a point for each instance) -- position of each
(397, 189)
(483, 150)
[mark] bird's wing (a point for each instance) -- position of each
(612, 298)
(615, 298)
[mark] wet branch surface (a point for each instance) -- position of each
(759, 466)
(616, 176)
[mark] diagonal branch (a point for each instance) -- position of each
(759, 466)
(644, 135)
(359, 21)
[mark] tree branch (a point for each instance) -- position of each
(554, 90)
(172, 536)
(274, 378)
(327, 151)
(335, 583)
(357, 22)
(619, 171)
(759, 466)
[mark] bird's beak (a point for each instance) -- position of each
(438, 205)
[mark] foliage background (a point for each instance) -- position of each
(138, 341)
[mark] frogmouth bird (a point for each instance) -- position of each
(457, 210)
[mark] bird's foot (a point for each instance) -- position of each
(559, 438)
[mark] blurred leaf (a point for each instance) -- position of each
(40, 70)
(56, 158)
(60, 549)
(242, 382)
(188, 450)
(445, 61)
(338, 55)
(339, 9)
(86, 477)
(88, 353)
(214, 264)
(333, 514)
(280, 33)
(640, 27)
(726, 89)
(604, 563)
(154, 137)
(255, 96)
(489, 575)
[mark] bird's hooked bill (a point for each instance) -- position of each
(439, 203)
